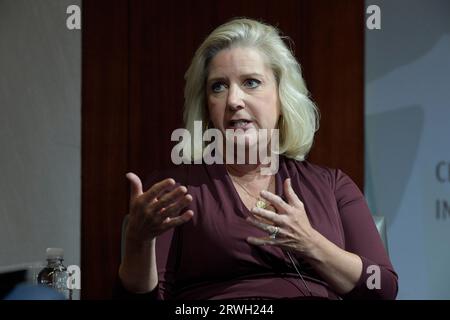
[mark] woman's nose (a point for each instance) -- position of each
(235, 98)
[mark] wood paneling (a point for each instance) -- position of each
(135, 54)
(332, 55)
(105, 155)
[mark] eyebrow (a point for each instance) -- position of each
(246, 75)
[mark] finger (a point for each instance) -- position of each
(291, 196)
(269, 215)
(266, 227)
(175, 208)
(135, 185)
(158, 188)
(261, 225)
(262, 241)
(276, 201)
(177, 221)
(167, 199)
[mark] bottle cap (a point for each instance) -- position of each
(55, 253)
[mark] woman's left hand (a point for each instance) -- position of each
(290, 227)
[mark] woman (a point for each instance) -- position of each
(228, 231)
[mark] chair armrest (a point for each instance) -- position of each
(380, 223)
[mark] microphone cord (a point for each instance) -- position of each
(298, 272)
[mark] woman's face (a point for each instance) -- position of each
(242, 92)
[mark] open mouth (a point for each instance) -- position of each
(242, 124)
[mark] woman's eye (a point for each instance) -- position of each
(252, 83)
(218, 87)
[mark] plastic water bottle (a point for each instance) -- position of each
(55, 274)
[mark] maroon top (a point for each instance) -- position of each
(209, 257)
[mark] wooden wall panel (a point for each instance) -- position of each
(104, 142)
(332, 54)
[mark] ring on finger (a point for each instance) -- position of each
(274, 233)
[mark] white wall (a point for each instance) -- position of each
(407, 135)
(40, 131)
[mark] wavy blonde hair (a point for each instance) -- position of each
(299, 119)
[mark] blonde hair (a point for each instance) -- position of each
(299, 118)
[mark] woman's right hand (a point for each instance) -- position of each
(153, 212)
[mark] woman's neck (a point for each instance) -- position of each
(246, 172)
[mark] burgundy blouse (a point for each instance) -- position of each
(209, 257)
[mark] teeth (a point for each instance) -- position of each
(239, 123)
